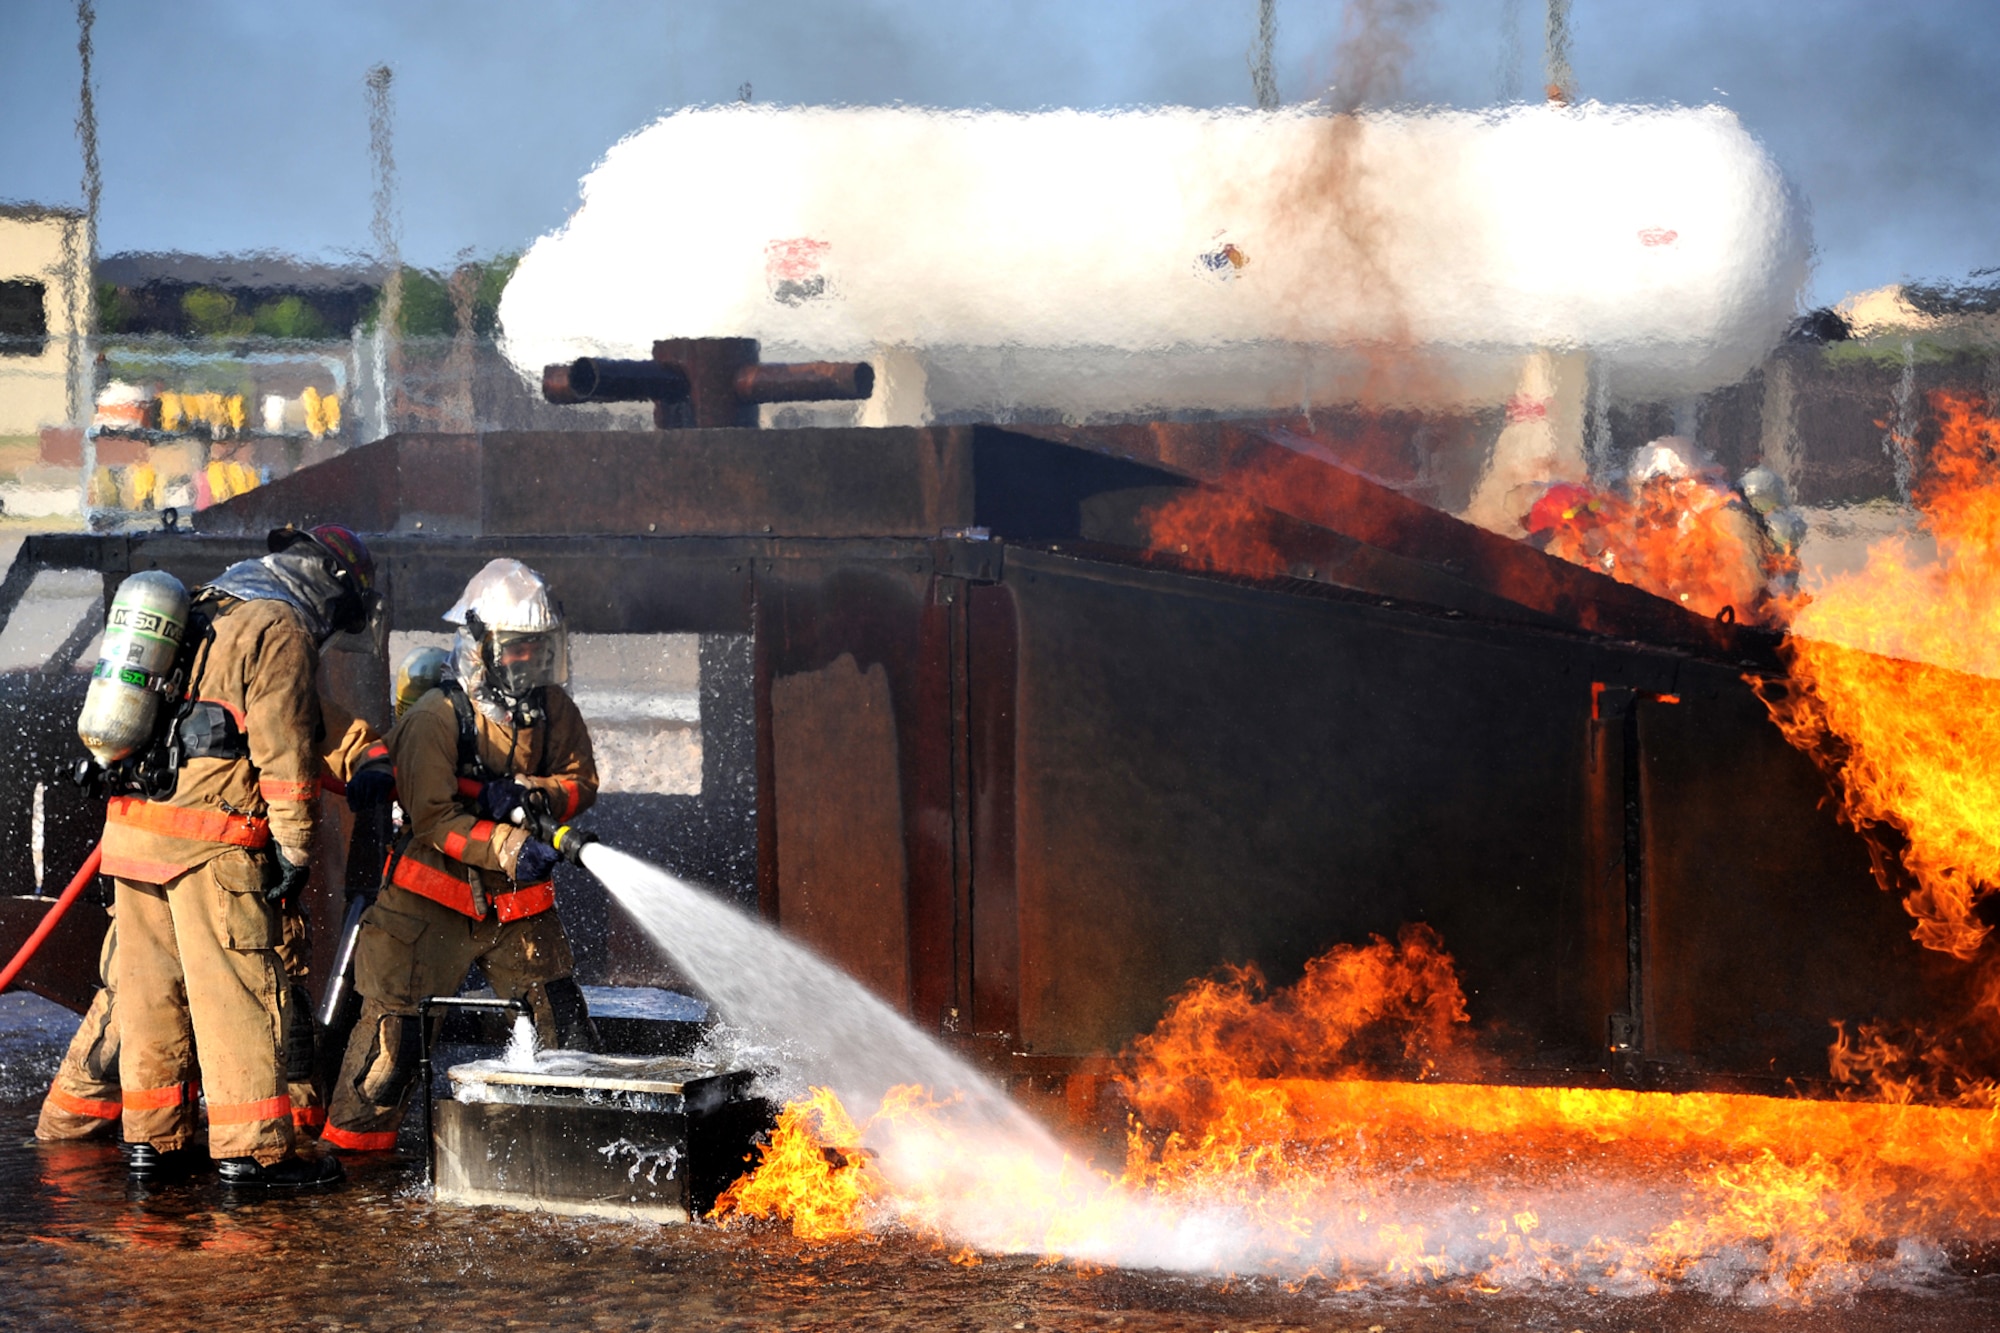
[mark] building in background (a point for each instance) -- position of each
(44, 308)
(206, 376)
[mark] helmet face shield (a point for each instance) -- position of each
(511, 642)
(519, 663)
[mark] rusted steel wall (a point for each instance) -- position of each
(1028, 787)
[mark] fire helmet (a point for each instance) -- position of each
(1764, 489)
(511, 643)
(419, 674)
(348, 560)
(1671, 456)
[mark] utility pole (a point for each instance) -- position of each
(1561, 79)
(81, 251)
(388, 341)
(1263, 81)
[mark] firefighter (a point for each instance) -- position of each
(374, 833)
(205, 878)
(83, 1100)
(419, 674)
(1784, 528)
(466, 883)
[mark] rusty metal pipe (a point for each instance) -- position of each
(595, 379)
(805, 382)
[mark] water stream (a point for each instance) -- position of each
(977, 1165)
(1586, 1209)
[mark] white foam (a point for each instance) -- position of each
(1082, 262)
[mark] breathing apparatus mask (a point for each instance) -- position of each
(518, 665)
(511, 645)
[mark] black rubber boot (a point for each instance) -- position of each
(287, 1173)
(569, 1015)
(149, 1166)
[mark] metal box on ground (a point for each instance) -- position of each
(653, 1139)
(630, 1020)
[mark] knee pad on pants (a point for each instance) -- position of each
(568, 1015)
(392, 1063)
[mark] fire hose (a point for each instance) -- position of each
(52, 917)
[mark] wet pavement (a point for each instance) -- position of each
(83, 1250)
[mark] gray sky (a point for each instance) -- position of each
(229, 125)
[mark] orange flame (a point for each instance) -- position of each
(1217, 530)
(810, 1173)
(1378, 1006)
(1255, 1117)
(1895, 685)
(1681, 538)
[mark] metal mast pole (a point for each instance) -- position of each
(82, 256)
(1561, 79)
(388, 342)
(1263, 80)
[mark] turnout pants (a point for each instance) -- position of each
(83, 1101)
(204, 996)
(412, 948)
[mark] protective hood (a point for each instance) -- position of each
(299, 579)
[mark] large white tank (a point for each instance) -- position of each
(1085, 264)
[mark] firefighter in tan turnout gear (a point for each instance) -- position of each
(84, 1100)
(205, 874)
(467, 882)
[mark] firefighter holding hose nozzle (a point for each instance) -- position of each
(490, 767)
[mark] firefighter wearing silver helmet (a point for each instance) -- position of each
(468, 881)
(1784, 526)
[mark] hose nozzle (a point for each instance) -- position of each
(570, 841)
(567, 839)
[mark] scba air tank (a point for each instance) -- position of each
(142, 637)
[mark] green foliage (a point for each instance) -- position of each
(426, 305)
(493, 277)
(427, 309)
(289, 317)
(1893, 351)
(212, 314)
(114, 312)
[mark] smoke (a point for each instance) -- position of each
(1377, 41)
(1334, 223)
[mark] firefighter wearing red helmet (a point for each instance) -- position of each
(208, 875)
(469, 881)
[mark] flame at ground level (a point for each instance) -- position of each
(1258, 1145)
(1361, 1181)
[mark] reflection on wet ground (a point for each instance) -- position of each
(81, 1250)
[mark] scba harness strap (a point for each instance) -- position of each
(455, 892)
(441, 886)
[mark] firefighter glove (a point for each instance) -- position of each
(289, 882)
(535, 862)
(500, 798)
(372, 786)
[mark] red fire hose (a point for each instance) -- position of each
(52, 917)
